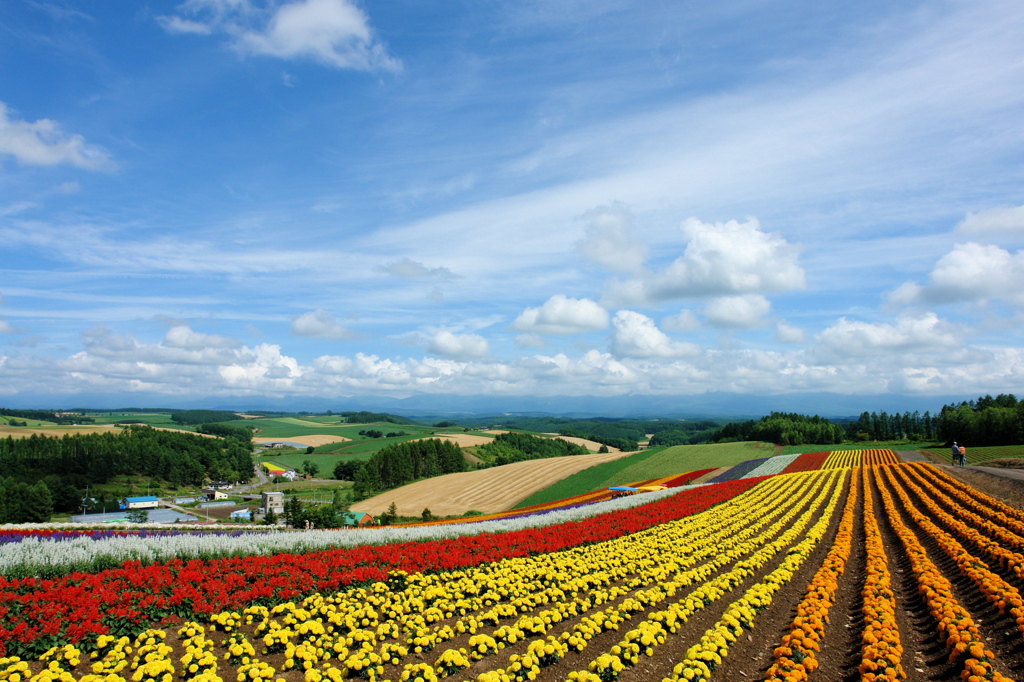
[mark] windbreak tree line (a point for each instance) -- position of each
(67, 465)
(47, 416)
(194, 417)
(883, 426)
(401, 463)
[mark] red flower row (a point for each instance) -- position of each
(37, 614)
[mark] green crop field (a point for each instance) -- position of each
(862, 445)
(648, 464)
(325, 462)
(981, 455)
(288, 427)
(150, 418)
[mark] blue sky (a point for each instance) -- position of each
(246, 200)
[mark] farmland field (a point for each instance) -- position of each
(648, 464)
(980, 455)
(877, 571)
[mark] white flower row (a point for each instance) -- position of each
(47, 558)
(772, 466)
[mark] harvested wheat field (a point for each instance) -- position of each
(592, 445)
(463, 440)
(487, 490)
(56, 431)
(315, 440)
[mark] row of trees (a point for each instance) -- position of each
(70, 463)
(883, 426)
(194, 417)
(47, 416)
(401, 463)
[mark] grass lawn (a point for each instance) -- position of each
(648, 464)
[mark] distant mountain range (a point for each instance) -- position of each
(708, 405)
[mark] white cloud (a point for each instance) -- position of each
(911, 334)
(407, 267)
(999, 221)
(320, 324)
(609, 242)
(530, 341)
(785, 333)
(635, 335)
(333, 32)
(738, 312)
(43, 143)
(173, 24)
(6, 328)
(563, 316)
(180, 336)
(458, 346)
(683, 322)
(720, 259)
(971, 272)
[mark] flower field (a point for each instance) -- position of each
(864, 569)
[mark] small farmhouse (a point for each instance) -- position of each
(356, 519)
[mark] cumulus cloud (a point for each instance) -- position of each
(332, 32)
(738, 312)
(910, 334)
(407, 267)
(785, 333)
(458, 346)
(971, 272)
(561, 315)
(683, 322)
(635, 335)
(43, 143)
(180, 336)
(999, 221)
(529, 341)
(729, 258)
(608, 240)
(320, 324)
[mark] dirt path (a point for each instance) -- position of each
(488, 490)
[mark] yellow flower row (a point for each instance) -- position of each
(842, 459)
(703, 657)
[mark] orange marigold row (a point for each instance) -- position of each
(881, 651)
(954, 622)
(795, 657)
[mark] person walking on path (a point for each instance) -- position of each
(956, 454)
(963, 456)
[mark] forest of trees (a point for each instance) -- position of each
(518, 447)
(401, 463)
(784, 429)
(67, 465)
(985, 421)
